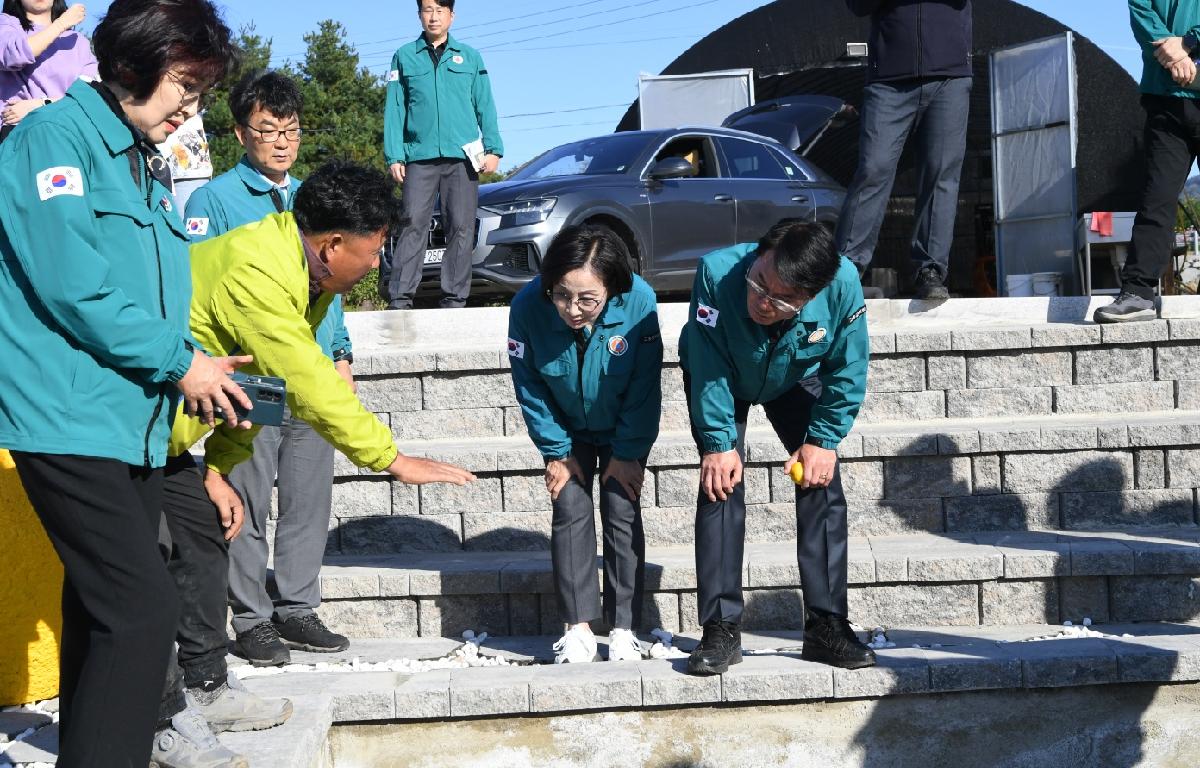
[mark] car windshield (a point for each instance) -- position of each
(590, 157)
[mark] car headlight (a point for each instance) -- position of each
(521, 213)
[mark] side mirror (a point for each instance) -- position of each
(672, 168)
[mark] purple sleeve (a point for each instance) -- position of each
(87, 60)
(15, 52)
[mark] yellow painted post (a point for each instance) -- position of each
(30, 590)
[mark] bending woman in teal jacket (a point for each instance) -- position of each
(586, 357)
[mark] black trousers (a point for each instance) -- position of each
(199, 565)
(821, 532)
(119, 606)
(573, 546)
(1172, 137)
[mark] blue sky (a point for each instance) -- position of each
(562, 69)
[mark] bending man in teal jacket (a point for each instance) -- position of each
(1168, 32)
(781, 323)
(439, 100)
(267, 108)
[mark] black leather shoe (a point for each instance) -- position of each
(930, 285)
(307, 632)
(720, 647)
(830, 640)
(260, 645)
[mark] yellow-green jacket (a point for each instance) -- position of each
(250, 297)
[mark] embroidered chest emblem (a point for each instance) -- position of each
(618, 346)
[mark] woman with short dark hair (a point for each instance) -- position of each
(40, 56)
(586, 357)
(95, 285)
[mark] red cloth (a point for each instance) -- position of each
(1102, 223)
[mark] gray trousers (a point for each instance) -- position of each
(457, 184)
(936, 111)
(303, 463)
(573, 546)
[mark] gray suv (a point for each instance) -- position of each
(671, 195)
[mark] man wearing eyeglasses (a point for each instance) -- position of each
(781, 323)
(266, 108)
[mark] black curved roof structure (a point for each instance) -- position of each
(799, 46)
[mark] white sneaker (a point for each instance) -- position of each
(577, 646)
(623, 646)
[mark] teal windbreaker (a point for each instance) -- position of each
(615, 399)
(1153, 20)
(728, 356)
(242, 195)
(94, 289)
(433, 112)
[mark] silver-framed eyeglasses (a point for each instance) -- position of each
(271, 135)
(189, 93)
(779, 304)
(586, 303)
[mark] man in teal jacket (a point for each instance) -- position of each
(267, 108)
(781, 323)
(439, 100)
(1168, 32)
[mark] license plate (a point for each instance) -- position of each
(434, 256)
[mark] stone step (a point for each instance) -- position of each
(953, 580)
(1062, 472)
(924, 661)
(440, 375)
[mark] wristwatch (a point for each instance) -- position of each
(1190, 42)
(47, 102)
(343, 356)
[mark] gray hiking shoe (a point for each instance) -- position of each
(1125, 308)
(236, 709)
(189, 743)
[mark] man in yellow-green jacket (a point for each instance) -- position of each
(262, 291)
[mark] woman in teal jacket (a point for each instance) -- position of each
(586, 358)
(94, 281)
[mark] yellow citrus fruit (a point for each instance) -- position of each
(797, 473)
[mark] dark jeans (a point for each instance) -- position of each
(199, 564)
(1172, 137)
(936, 111)
(821, 532)
(119, 606)
(457, 185)
(573, 546)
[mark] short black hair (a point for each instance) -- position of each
(139, 40)
(592, 246)
(266, 89)
(444, 3)
(349, 198)
(15, 8)
(806, 257)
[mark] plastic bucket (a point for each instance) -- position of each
(1019, 285)
(1047, 283)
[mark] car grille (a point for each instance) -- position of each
(517, 256)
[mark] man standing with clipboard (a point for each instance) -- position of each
(439, 101)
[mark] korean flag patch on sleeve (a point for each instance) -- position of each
(706, 315)
(62, 180)
(393, 75)
(197, 227)
(516, 349)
